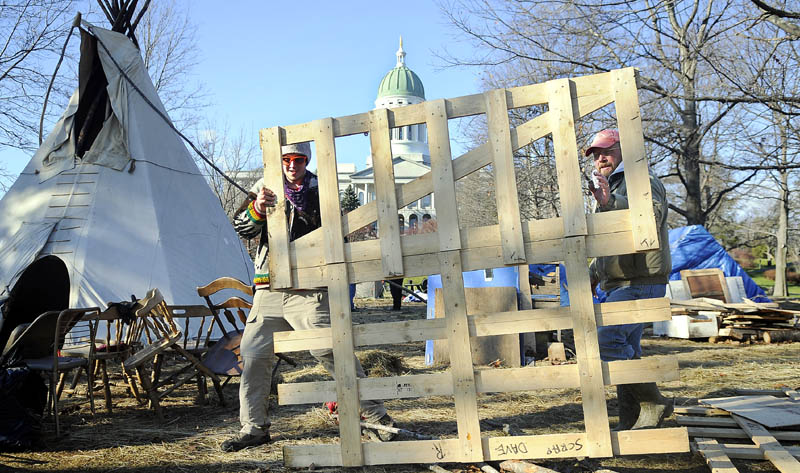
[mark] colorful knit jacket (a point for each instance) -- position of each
(249, 223)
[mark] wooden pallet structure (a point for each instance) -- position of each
(757, 425)
(323, 259)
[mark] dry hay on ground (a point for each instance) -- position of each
(130, 440)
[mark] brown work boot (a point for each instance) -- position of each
(241, 441)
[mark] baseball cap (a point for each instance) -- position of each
(603, 139)
(297, 148)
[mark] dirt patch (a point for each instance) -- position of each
(131, 440)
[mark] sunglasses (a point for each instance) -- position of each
(294, 159)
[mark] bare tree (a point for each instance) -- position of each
(168, 43)
(31, 35)
(780, 17)
(236, 154)
(684, 50)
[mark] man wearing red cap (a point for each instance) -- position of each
(629, 277)
(282, 310)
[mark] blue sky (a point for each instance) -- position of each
(280, 63)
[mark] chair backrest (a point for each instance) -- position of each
(237, 303)
(35, 340)
(197, 324)
(153, 318)
(75, 332)
(51, 332)
(115, 333)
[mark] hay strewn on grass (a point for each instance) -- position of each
(130, 440)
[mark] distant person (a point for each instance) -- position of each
(629, 277)
(281, 310)
(396, 289)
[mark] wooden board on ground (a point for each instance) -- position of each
(717, 460)
(773, 450)
(769, 411)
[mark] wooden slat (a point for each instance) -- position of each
(651, 369)
(344, 367)
(330, 208)
(637, 174)
(640, 442)
(505, 180)
(706, 421)
(307, 253)
(739, 433)
(443, 179)
(565, 147)
(461, 370)
(700, 411)
(385, 195)
(478, 258)
(631, 442)
(773, 450)
(587, 348)
(715, 456)
(501, 323)
(751, 452)
(280, 276)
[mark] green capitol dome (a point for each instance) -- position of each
(401, 80)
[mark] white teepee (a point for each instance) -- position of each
(133, 212)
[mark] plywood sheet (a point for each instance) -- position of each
(769, 411)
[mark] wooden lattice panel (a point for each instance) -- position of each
(322, 258)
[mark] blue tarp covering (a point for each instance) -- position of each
(693, 247)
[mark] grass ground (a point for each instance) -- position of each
(130, 440)
(767, 284)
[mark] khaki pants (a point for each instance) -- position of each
(278, 311)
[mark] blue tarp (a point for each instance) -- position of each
(691, 247)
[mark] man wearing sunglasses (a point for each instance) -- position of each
(282, 310)
(628, 277)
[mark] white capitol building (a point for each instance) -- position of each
(410, 156)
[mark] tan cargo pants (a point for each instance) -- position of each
(278, 311)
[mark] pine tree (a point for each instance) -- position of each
(350, 199)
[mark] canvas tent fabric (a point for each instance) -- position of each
(692, 247)
(120, 228)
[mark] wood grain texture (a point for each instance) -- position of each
(280, 275)
(637, 172)
(502, 155)
(385, 195)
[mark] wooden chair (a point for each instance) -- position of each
(117, 341)
(155, 323)
(223, 357)
(201, 333)
(49, 344)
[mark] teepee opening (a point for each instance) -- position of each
(43, 286)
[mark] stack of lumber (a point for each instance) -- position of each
(746, 321)
(754, 425)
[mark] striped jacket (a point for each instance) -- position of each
(249, 223)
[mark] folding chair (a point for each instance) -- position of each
(45, 345)
(155, 323)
